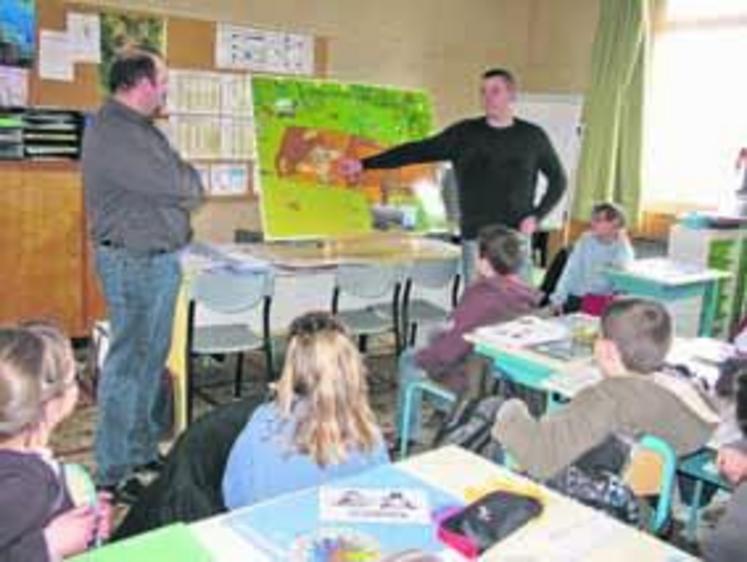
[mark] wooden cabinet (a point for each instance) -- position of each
(42, 244)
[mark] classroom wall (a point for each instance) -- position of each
(438, 45)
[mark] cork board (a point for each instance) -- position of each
(190, 43)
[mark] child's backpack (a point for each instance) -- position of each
(469, 426)
(595, 479)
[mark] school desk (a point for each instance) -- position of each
(566, 530)
(669, 281)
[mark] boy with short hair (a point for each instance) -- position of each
(632, 398)
(604, 245)
(498, 295)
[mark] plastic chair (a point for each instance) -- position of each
(668, 469)
(426, 386)
(431, 274)
(374, 283)
(232, 294)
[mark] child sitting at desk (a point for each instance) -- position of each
(728, 541)
(38, 520)
(319, 426)
(498, 295)
(583, 284)
(632, 398)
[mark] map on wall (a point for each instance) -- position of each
(305, 127)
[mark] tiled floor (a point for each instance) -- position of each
(74, 438)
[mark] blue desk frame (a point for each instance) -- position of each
(694, 466)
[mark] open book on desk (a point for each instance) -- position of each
(520, 333)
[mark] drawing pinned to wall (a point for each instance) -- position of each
(17, 32)
(304, 128)
(248, 48)
(120, 31)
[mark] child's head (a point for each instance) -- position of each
(607, 220)
(636, 335)
(324, 371)
(499, 251)
(37, 379)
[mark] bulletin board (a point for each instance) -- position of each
(190, 44)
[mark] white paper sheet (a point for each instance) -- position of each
(55, 57)
(229, 179)
(241, 47)
(84, 34)
(14, 86)
(382, 505)
(522, 332)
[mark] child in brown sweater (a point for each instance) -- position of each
(632, 399)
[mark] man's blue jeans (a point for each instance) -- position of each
(140, 292)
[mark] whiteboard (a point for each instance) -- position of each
(560, 116)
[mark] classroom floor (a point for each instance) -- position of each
(73, 441)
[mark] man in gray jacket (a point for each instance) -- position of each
(139, 194)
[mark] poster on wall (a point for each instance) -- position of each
(17, 32)
(248, 48)
(305, 127)
(121, 31)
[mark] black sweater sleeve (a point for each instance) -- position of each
(550, 166)
(432, 149)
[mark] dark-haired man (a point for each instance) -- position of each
(496, 158)
(139, 194)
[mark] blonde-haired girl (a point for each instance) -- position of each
(318, 427)
(38, 389)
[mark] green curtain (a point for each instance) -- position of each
(611, 152)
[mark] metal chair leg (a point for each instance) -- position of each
(239, 375)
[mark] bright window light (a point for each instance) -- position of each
(696, 115)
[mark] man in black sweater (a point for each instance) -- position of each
(496, 159)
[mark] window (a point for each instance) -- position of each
(696, 114)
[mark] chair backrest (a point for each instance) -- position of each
(231, 292)
(367, 281)
(434, 274)
(652, 471)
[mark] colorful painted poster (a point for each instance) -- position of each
(121, 31)
(305, 127)
(17, 32)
